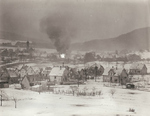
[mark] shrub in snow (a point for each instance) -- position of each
(112, 91)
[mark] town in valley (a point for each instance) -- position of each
(72, 70)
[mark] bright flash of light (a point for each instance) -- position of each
(62, 55)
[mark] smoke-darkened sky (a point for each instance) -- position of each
(82, 20)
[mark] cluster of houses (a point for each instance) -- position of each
(13, 54)
(136, 72)
(24, 75)
(15, 43)
(28, 76)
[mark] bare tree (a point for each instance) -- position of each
(74, 88)
(85, 90)
(3, 96)
(15, 100)
(99, 92)
(112, 91)
(93, 89)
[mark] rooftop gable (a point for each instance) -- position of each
(137, 66)
(12, 73)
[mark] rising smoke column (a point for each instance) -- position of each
(59, 28)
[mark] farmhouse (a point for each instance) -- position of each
(138, 69)
(122, 75)
(112, 75)
(57, 75)
(32, 76)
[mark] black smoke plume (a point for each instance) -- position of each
(59, 28)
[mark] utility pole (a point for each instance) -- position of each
(78, 77)
(95, 72)
(1, 98)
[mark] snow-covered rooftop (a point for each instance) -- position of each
(57, 71)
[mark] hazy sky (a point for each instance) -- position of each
(84, 19)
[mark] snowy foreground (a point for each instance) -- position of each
(48, 104)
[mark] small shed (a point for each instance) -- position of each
(4, 84)
(37, 88)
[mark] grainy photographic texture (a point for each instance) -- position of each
(74, 57)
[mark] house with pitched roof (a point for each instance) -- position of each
(37, 70)
(4, 80)
(1, 71)
(4, 75)
(138, 69)
(119, 75)
(32, 76)
(30, 71)
(45, 72)
(57, 75)
(23, 71)
(106, 77)
(13, 76)
(122, 76)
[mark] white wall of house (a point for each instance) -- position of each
(56, 79)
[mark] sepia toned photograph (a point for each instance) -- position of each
(74, 57)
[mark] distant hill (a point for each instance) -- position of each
(134, 40)
(14, 37)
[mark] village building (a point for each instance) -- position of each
(23, 56)
(4, 80)
(57, 75)
(37, 70)
(4, 75)
(13, 76)
(119, 75)
(122, 75)
(114, 77)
(4, 52)
(46, 72)
(32, 77)
(138, 69)
(25, 84)
(106, 77)
(4, 84)
(22, 43)
(30, 71)
(23, 71)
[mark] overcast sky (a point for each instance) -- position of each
(84, 19)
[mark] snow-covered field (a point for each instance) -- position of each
(49, 104)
